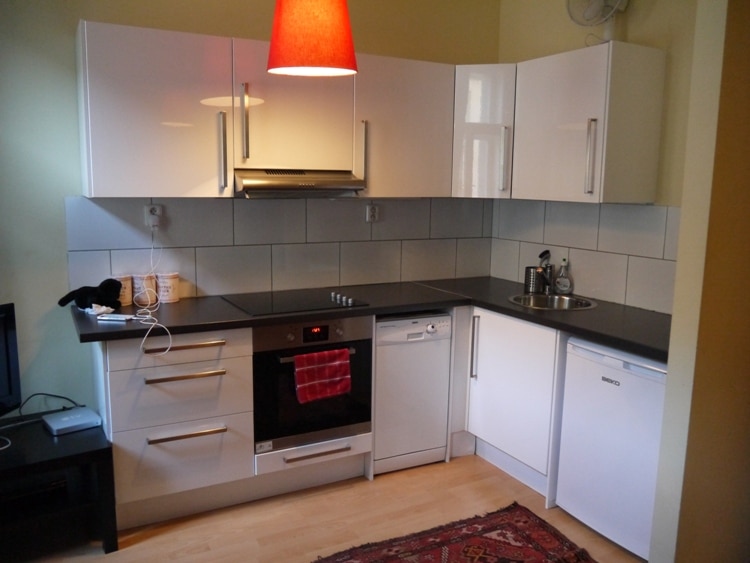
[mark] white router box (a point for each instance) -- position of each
(71, 420)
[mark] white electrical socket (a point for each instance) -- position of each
(152, 215)
(372, 213)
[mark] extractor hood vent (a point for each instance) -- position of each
(253, 182)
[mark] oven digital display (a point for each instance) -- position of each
(317, 333)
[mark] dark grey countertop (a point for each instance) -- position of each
(634, 330)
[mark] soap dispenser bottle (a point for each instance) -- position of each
(563, 281)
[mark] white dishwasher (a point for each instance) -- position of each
(609, 443)
(412, 388)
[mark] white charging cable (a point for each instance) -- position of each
(145, 315)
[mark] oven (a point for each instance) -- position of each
(286, 418)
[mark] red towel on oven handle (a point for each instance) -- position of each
(320, 375)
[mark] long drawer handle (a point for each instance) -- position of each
(290, 359)
(319, 454)
(194, 346)
(196, 434)
(184, 376)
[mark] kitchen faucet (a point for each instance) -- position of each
(547, 271)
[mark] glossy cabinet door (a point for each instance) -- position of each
(588, 125)
(151, 104)
(289, 122)
(511, 386)
(408, 106)
(483, 130)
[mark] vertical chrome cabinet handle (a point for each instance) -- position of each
(588, 187)
(223, 174)
(474, 347)
(505, 182)
(245, 113)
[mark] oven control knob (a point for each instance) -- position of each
(339, 331)
(290, 336)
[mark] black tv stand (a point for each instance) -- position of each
(55, 491)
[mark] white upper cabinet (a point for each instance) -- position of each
(150, 110)
(588, 125)
(408, 106)
(483, 130)
(289, 122)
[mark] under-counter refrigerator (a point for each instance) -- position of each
(609, 441)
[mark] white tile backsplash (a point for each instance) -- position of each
(571, 224)
(428, 259)
(270, 221)
(473, 257)
(519, 219)
(456, 218)
(196, 222)
(370, 262)
(231, 245)
(400, 219)
(233, 269)
(296, 266)
(333, 220)
(650, 284)
(505, 259)
(600, 275)
(637, 230)
(103, 224)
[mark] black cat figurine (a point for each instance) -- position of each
(105, 294)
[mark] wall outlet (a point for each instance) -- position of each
(372, 213)
(152, 215)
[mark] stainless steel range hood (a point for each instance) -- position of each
(278, 183)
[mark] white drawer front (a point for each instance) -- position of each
(314, 453)
(185, 460)
(179, 393)
(194, 347)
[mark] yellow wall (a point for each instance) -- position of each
(714, 520)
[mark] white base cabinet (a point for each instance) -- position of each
(588, 125)
(512, 387)
(179, 420)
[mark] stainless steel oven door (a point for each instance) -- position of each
(281, 421)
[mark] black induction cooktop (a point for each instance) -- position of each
(291, 301)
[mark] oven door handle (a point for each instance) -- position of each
(317, 454)
(290, 359)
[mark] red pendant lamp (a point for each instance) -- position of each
(312, 38)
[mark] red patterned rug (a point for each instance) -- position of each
(511, 535)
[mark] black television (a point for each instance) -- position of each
(10, 374)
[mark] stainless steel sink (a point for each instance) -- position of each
(552, 302)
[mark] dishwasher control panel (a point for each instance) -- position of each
(413, 329)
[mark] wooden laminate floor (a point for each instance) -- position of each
(302, 526)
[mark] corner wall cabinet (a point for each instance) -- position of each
(588, 125)
(511, 386)
(483, 130)
(289, 121)
(150, 109)
(408, 106)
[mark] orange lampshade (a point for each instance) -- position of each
(312, 38)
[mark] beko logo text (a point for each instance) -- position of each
(612, 381)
